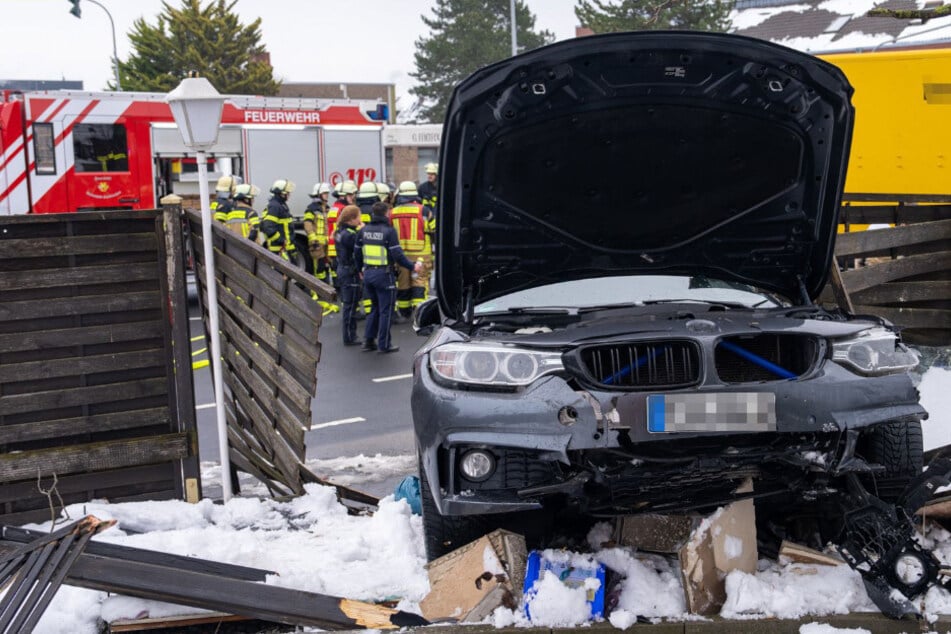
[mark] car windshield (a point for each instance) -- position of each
(626, 290)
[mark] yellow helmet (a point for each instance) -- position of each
(407, 188)
(227, 184)
(282, 186)
(432, 168)
(367, 190)
(245, 191)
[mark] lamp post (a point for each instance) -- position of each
(196, 107)
(115, 55)
(514, 31)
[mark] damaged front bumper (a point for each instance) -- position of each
(597, 450)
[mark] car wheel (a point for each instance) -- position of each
(899, 448)
(442, 533)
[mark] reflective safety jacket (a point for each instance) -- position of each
(242, 219)
(220, 207)
(407, 218)
(315, 222)
(332, 226)
(428, 195)
(276, 226)
(377, 246)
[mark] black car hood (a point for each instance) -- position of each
(646, 152)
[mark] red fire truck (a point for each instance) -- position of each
(75, 151)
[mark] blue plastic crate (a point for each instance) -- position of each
(569, 575)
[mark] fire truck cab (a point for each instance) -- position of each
(76, 151)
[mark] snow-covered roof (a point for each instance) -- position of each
(825, 26)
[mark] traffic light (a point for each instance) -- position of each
(76, 10)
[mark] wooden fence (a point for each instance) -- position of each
(902, 272)
(96, 398)
(269, 324)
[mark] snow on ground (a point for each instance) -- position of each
(313, 544)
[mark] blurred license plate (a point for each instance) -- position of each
(716, 412)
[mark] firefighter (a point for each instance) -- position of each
(345, 193)
(377, 250)
(223, 203)
(429, 195)
(315, 226)
(347, 274)
(277, 221)
(242, 218)
(367, 196)
(410, 226)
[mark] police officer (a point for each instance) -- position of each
(242, 219)
(407, 219)
(377, 250)
(367, 196)
(276, 223)
(348, 278)
(224, 191)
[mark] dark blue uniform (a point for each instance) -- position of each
(348, 280)
(377, 249)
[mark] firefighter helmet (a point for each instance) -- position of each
(368, 189)
(320, 188)
(245, 191)
(407, 188)
(347, 187)
(227, 184)
(383, 191)
(432, 168)
(282, 186)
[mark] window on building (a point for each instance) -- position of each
(388, 164)
(426, 155)
(100, 148)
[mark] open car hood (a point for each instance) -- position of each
(646, 152)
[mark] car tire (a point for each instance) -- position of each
(899, 448)
(443, 534)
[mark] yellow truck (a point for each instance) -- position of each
(902, 138)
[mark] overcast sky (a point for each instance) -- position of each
(309, 40)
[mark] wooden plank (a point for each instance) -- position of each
(253, 463)
(298, 319)
(858, 242)
(46, 278)
(275, 412)
(265, 365)
(98, 456)
(82, 425)
(838, 288)
(110, 217)
(905, 293)
(263, 387)
(873, 275)
(325, 291)
(891, 214)
(183, 621)
(75, 366)
(907, 198)
(79, 305)
(909, 317)
(76, 245)
(87, 395)
(87, 335)
(798, 553)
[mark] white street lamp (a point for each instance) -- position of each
(197, 106)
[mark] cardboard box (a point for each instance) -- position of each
(655, 532)
(722, 543)
(469, 583)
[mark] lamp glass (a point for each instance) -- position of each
(196, 107)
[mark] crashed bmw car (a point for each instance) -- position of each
(634, 230)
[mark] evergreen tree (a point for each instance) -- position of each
(466, 35)
(209, 41)
(650, 15)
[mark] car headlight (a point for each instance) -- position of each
(874, 351)
(491, 365)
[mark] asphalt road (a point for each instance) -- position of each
(362, 404)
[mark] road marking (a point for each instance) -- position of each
(205, 406)
(195, 319)
(334, 423)
(395, 377)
